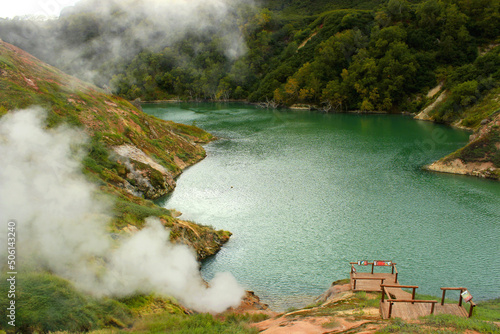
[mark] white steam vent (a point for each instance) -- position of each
(62, 227)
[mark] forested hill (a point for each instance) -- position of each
(370, 55)
(319, 6)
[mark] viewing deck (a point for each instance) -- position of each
(370, 282)
(398, 303)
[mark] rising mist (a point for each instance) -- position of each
(94, 39)
(62, 226)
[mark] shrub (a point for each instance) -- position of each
(466, 93)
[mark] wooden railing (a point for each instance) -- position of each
(472, 305)
(413, 287)
(412, 300)
(394, 272)
(366, 278)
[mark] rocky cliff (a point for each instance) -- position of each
(481, 156)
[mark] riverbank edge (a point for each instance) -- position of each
(269, 105)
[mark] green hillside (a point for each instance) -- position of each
(48, 302)
(111, 122)
(331, 55)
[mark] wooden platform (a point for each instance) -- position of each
(370, 282)
(409, 311)
(398, 303)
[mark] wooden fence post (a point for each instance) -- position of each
(471, 309)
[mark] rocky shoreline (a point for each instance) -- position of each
(479, 157)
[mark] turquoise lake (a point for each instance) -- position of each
(304, 193)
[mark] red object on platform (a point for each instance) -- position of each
(382, 263)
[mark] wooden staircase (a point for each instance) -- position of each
(398, 303)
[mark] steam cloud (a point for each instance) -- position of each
(120, 29)
(148, 23)
(62, 227)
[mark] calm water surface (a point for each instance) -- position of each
(304, 193)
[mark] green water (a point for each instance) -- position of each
(305, 193)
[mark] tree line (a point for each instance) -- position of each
(379, 59)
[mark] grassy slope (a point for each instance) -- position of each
(109, 121)
(53, 303)
(46, 303)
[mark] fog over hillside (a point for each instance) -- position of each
(90, 34)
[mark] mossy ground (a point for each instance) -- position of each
(47, 303)
(443, 323)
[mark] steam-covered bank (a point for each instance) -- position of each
(78, 169)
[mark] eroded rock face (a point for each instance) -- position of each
(250, 302)
(145, 177)
(457, 166)
(484, 145)
(424, 114)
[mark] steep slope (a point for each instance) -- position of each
(480, 157)
(469, 98)
(133, 157)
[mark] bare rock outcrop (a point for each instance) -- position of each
(479, 157)
(144, 175)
